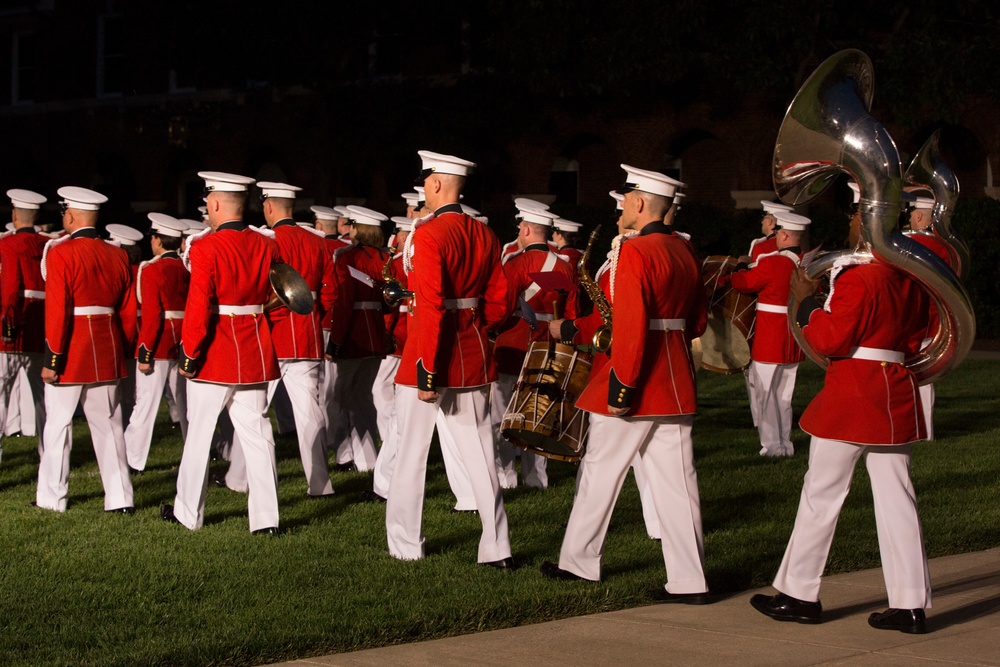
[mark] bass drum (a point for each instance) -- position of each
(725, 345)
(542, 417)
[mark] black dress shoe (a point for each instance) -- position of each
(345, 467)
(134, 472)
(663, 596)
(553, 571)
(783, 607)
(121, 510)
(167, 514)
(271, 532)
(912, 621)
(504, 564)
(217, 479)
(368, 496)
(455, 510)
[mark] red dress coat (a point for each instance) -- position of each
(229, 267)
(83, 271)
(333, 244)
(763, 246)
(162, 288)
(651, 370)
(572, 257)
(395, 319)
(453, 257)
(357, 330)
(298, 336)
(863, 401)
(770, 278)
(513, 342)
(22, 290)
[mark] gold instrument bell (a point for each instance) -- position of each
(290, 290)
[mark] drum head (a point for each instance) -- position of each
(723, 347)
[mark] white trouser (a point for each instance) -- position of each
(104, 416)
(454, 468)
(23, 370)
(300, 378)
(649, 516)
(175, 413)
(279, 400)
(927, 402)
(466, 411)
(664, 444)
(774, 385)
(384, 398)
(751, 393)
(355, 378)
(831, 466)
(336, 419)
(247, 406)
(21, 413)
(532, 465)
(148, 392)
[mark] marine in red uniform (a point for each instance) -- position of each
(643, 400)
(869, 406)
(766, 244)
(357, 334)
(565, 234)
(87, 311)
(453, 266)
(127, 239)
(161, 288)
(22, 295)
(775, 355)
(535, 308)
(227, 353)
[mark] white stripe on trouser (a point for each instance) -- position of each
(104, 416)
(148, 393)
(831, 466)
(467, 414)
(21, 379)
(664, 443)
(247, 405)
(533, 468)
(774, 385)
(384, 398)
(355, 378)
(649, 516)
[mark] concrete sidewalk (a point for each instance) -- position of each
(964, 630)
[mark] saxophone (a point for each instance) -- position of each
(602, 337)
(392, 292)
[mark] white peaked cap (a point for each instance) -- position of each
(923, 202)
(618, 197)
(280, 190)
(365, 216)
(307, 225)
(402, 223)
(420, 192)
(26, 199)
(194, 226)
(652, 182)
(166, 225)
(538, 217)
(222, 182)
(525, 204)
(123, 234)
(342, 211)
(411, 198)
(793, 222)
(772, 207)
(565, 225)
(444, 164)
(81, 199)
(324, 212)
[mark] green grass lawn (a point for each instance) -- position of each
(88, 588)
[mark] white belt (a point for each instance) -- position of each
(315, 295)
(404, 308)
(771, 308)
(252, 309)
(667, 325)
(93, 310)
(541, 317)
(876, 354)
(33, 294)
(461, 304)
(173, 314)
(367, 305)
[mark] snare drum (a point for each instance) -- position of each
(725, 345)
(542, 417)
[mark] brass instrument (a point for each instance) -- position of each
(602, 337)
(928, 171)
(392, 292)
(290, 290)
(827, 131)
